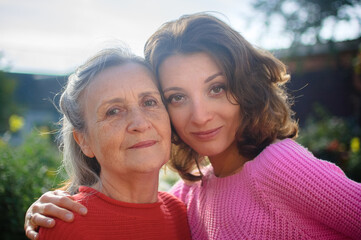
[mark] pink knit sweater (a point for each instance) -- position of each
(284, 193)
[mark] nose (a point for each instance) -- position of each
(201, 111)
(138, 121)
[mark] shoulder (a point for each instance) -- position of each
(288, 176)
(172, 203)
(89, 197)
(77, 228)
(182, 189)
(165, 196)
(285, 148)
(287, 168)
(169, 199)
(287, 154)
(62, 230)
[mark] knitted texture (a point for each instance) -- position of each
(284, 193)
(111, 219)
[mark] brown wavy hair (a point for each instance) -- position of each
(255, 79)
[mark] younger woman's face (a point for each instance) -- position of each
(195, 89)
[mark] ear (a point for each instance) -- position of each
(83, 144)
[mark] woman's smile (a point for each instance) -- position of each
(207, 135)
(143, 144)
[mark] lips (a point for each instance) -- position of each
(207, 135)
(143, 144)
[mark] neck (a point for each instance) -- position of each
(137, 188)
(228, 162)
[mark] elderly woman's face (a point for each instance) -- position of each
(128, 128)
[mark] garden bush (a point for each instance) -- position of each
(26, 171)
(334, 139)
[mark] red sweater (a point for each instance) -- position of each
(111, 219)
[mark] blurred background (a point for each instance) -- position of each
(42, 42)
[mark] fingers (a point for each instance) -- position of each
(51, 204)
(59, 204)
(44, 212)
(30, 228)
(39, 220)
(31, 234)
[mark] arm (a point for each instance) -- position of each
(314, 187)
(50, 204)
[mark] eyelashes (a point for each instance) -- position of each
(175, 98)
(216, 90)
(151, 103)
(112, 112)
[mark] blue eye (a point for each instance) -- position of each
(113, 111)
(150, 103)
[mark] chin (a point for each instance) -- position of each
(208, 152)
(150, 166)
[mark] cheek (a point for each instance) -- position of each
(164, 123)
(178, 119)
(110, 134)
(234, 116)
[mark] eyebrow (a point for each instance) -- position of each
(208, 79)
(113, 100)
(149, 93)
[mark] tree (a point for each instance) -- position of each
(304, 19)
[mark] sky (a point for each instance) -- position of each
(54, 37)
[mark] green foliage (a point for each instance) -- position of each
(167, 178)
(334, 139)
(8, 106)
(307, 17)
(26, 172)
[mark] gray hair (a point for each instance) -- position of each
(81, 169)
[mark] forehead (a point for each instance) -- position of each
(128, 75)
(198, 65)
(196, 61)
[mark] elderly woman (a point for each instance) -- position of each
(116, 137)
